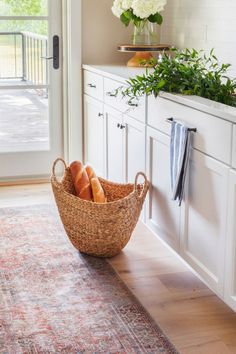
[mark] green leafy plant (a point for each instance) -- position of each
(188, 72)
(128, 16)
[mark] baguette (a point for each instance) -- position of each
(81, 181)
(90, 172)
(98, 192)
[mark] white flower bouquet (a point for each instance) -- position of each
(138, 11)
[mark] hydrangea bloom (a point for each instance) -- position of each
(138, 9)
(119, 6)
(145, 8)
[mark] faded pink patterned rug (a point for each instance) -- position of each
(55, 300)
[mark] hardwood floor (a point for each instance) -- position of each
(195, 320)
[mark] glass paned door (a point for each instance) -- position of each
(30, 87)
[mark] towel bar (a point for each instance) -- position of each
(169, 120)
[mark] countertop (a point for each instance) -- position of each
(122, 73)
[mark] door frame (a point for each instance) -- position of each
(72, 79)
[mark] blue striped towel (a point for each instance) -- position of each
(180, 147)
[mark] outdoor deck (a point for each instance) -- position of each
(24, 123)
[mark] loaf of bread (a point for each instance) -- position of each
(90, 172)
(98, 192)
(81, 181)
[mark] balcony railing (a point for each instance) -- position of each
(21, 57)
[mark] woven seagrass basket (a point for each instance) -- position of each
(101, 230)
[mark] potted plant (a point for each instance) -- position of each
(187, 72)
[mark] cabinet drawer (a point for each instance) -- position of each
(234, 148)
(213, 135)
(137, 111)
(93, 85)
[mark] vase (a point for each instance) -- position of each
(145, 33)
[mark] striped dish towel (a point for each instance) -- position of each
(180, 147)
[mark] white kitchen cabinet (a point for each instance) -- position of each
(230, 259)
(162, 213)
(94, 134)
(203, 224)
(115, 149)
(134, 148)
(122, 142)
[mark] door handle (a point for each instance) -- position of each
(56, 53)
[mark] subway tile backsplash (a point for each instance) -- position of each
(202, 24)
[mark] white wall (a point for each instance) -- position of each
(101, 33)
(202, 24)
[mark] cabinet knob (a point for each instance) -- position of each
(118, 125)
(110, 94)
(122, 126)
(92, 85)
(100, 114)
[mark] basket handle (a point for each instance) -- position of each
(54, 167)
(145, 187)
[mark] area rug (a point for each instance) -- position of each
(55, 300)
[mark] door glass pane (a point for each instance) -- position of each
(23, 7)
(23, 44)
(24, 118)
(24, 124)
(34, 26)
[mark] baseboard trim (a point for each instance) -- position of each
(16, 181)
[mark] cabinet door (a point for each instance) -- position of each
(162, 213)
(115, 145)
(234, 147)
(230, 260)
(134, 148)
(94, 124)
(203, 231)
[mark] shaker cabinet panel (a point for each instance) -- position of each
(162, 213)
(115, 145)
(136, 110)
(94, 134)
(134, 148)
(234, 147)
(230, 259)
(203, 231)
(113, 96)
(93, 85)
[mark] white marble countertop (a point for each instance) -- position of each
(122, 73)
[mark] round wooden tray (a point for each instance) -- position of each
(142, 48)
(142, 52)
